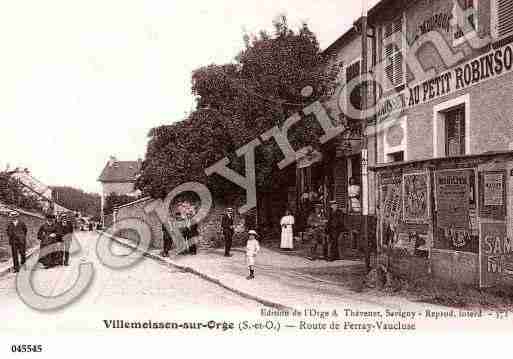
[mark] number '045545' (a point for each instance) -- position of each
(27, 348)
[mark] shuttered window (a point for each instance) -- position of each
(393, 57)
(470, 8)
(504, 17)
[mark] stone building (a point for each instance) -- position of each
(118, 177)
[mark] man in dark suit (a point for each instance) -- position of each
(334, 227)
(17, 233)
(227, 226)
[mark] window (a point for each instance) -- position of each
(451, 127)
(468, 24)
(502, 18)
(393, 54)
(396, 157)
(455, 131)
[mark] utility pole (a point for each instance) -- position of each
(365, 152)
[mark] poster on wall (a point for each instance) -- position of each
(455, 211)
(496, 255)
(453, 199)
(492, 197)
(416, 203)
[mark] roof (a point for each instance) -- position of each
(120, 171)
(345, 38)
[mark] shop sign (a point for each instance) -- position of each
(496, 255)
(416, 201)
(486, 67)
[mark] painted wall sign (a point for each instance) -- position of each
(486, 67)
(440, 21)
(496, 255)
(416, 202)
(492, 197)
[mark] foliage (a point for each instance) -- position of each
(77, 200)
(114, 200)
(13, 193)
(236, 103)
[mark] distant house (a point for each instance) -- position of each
(118, 177)
(35, 187)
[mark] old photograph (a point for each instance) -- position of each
(257, 168)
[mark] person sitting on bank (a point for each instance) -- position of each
(316, 231)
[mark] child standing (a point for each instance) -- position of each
(252, 249)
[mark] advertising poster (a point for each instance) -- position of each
(455, 215)
(416, 203)
(496, 255)
(493, 195)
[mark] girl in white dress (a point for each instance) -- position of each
(287, 231)
(252, 249)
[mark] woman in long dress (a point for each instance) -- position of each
(50, 254)
(287, 231)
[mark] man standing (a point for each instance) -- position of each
(66, 233)
(17, 233)
(335, 226)
(316, 223)
(228, 230)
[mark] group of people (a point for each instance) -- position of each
(321, 230)
(189, 231)
(55, 241)
(54, 236)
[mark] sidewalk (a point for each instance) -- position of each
(6, 267)
(284, 281)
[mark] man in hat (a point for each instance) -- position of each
(65, 235)
(17, 233)
(335, 226)
(227, 225)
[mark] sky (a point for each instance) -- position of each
(81, 80)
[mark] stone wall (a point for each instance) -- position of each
(209, 228)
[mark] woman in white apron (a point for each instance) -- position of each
(287, 231)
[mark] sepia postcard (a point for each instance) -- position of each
(254, 169)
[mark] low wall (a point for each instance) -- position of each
(33, 222)
(209, 228)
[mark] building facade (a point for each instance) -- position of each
(119, 177)
(443, 133)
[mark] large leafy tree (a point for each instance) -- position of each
(236, 103)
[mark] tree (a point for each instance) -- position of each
(76, 200)
(236, 103)
(13, 193)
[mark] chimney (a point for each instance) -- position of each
(112, 160)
